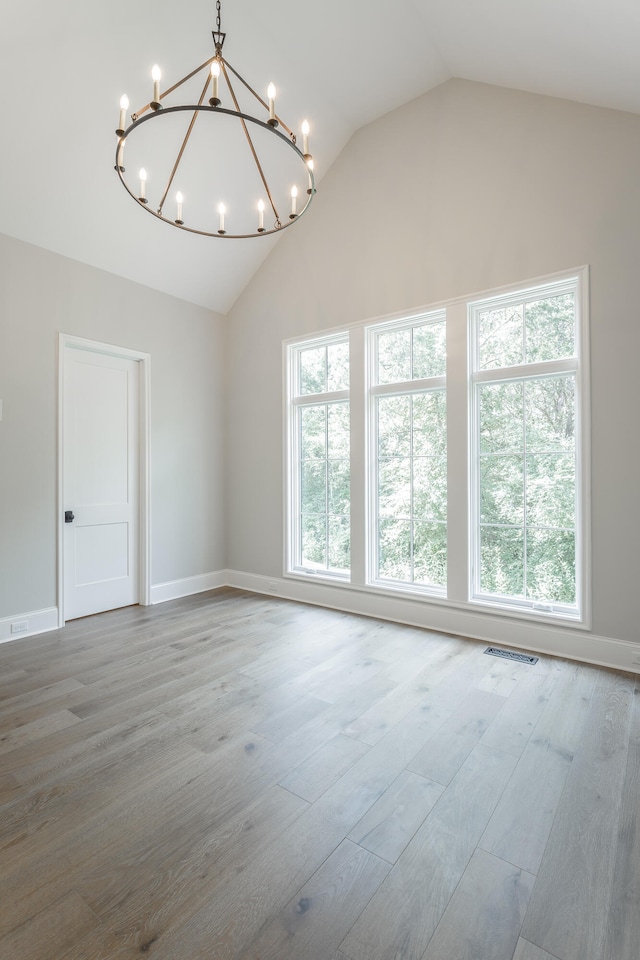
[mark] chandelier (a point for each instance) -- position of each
(238, 166)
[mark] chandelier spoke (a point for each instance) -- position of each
(260, 100)
(182, 148)
(250, 141)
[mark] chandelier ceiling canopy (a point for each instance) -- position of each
(172, 157)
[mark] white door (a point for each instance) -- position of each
(100, 482)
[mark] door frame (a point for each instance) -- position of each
(144, 527)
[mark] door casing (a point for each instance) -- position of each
(144, 532)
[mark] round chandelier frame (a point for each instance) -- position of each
(217, 67)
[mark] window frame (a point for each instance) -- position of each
(374, 390)
(577, 366)
(295, 402)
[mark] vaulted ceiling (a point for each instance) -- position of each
(342, 64)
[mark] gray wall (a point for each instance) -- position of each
(42, 294)
(462, 190)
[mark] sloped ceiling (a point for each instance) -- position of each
(342, 64)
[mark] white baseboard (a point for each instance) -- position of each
(37, 621)
(174, 589)
(540, 638)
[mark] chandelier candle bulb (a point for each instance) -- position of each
(221, 212)
(124, 106)
(215, 73)
(271, 93)
(155, 76)
(260, 216)
(143, 183)
(294, 202)
(179, 200)
(305, 138)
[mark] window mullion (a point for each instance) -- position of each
(526, 371)
(525, 529)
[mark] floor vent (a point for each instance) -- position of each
(511, 655)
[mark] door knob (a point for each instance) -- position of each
(68, 516)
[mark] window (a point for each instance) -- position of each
(409, 439)
(320, 446)
(524, 449)
(444, 456)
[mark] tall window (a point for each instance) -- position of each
(320, 447)
(524, 449)
(409, 483)
(459, 475)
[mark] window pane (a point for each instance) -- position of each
(430, 424)
(500, 336)
(394, 550)
(313, 495)
(394, 426)
(338, 366)
(429, 350)
(501, 412)
(339, 546)
(412, 487)
(339, 486)
(314, 542)
(394, 488)
(502, 561)
(551, 566)
(545, 407)
(430, 488)
(394, 356)
(430, 553)
(502, 489)
(550, 413)
(551, 490)
(313, 428)
(550, 328)
(324, 487)
(339, 429)
(313, 370)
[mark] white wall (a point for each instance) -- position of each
(466, 188)
(42, 294)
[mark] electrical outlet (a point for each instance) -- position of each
(272, 586)
(635, 657)
(19, 626)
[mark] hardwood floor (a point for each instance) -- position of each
(233, 777)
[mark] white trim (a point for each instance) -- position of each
(174, 589)
(144, 533)
(40, 621)
(521, 634)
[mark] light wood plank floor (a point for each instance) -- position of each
(233, 776)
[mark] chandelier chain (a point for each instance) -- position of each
(218, 16)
